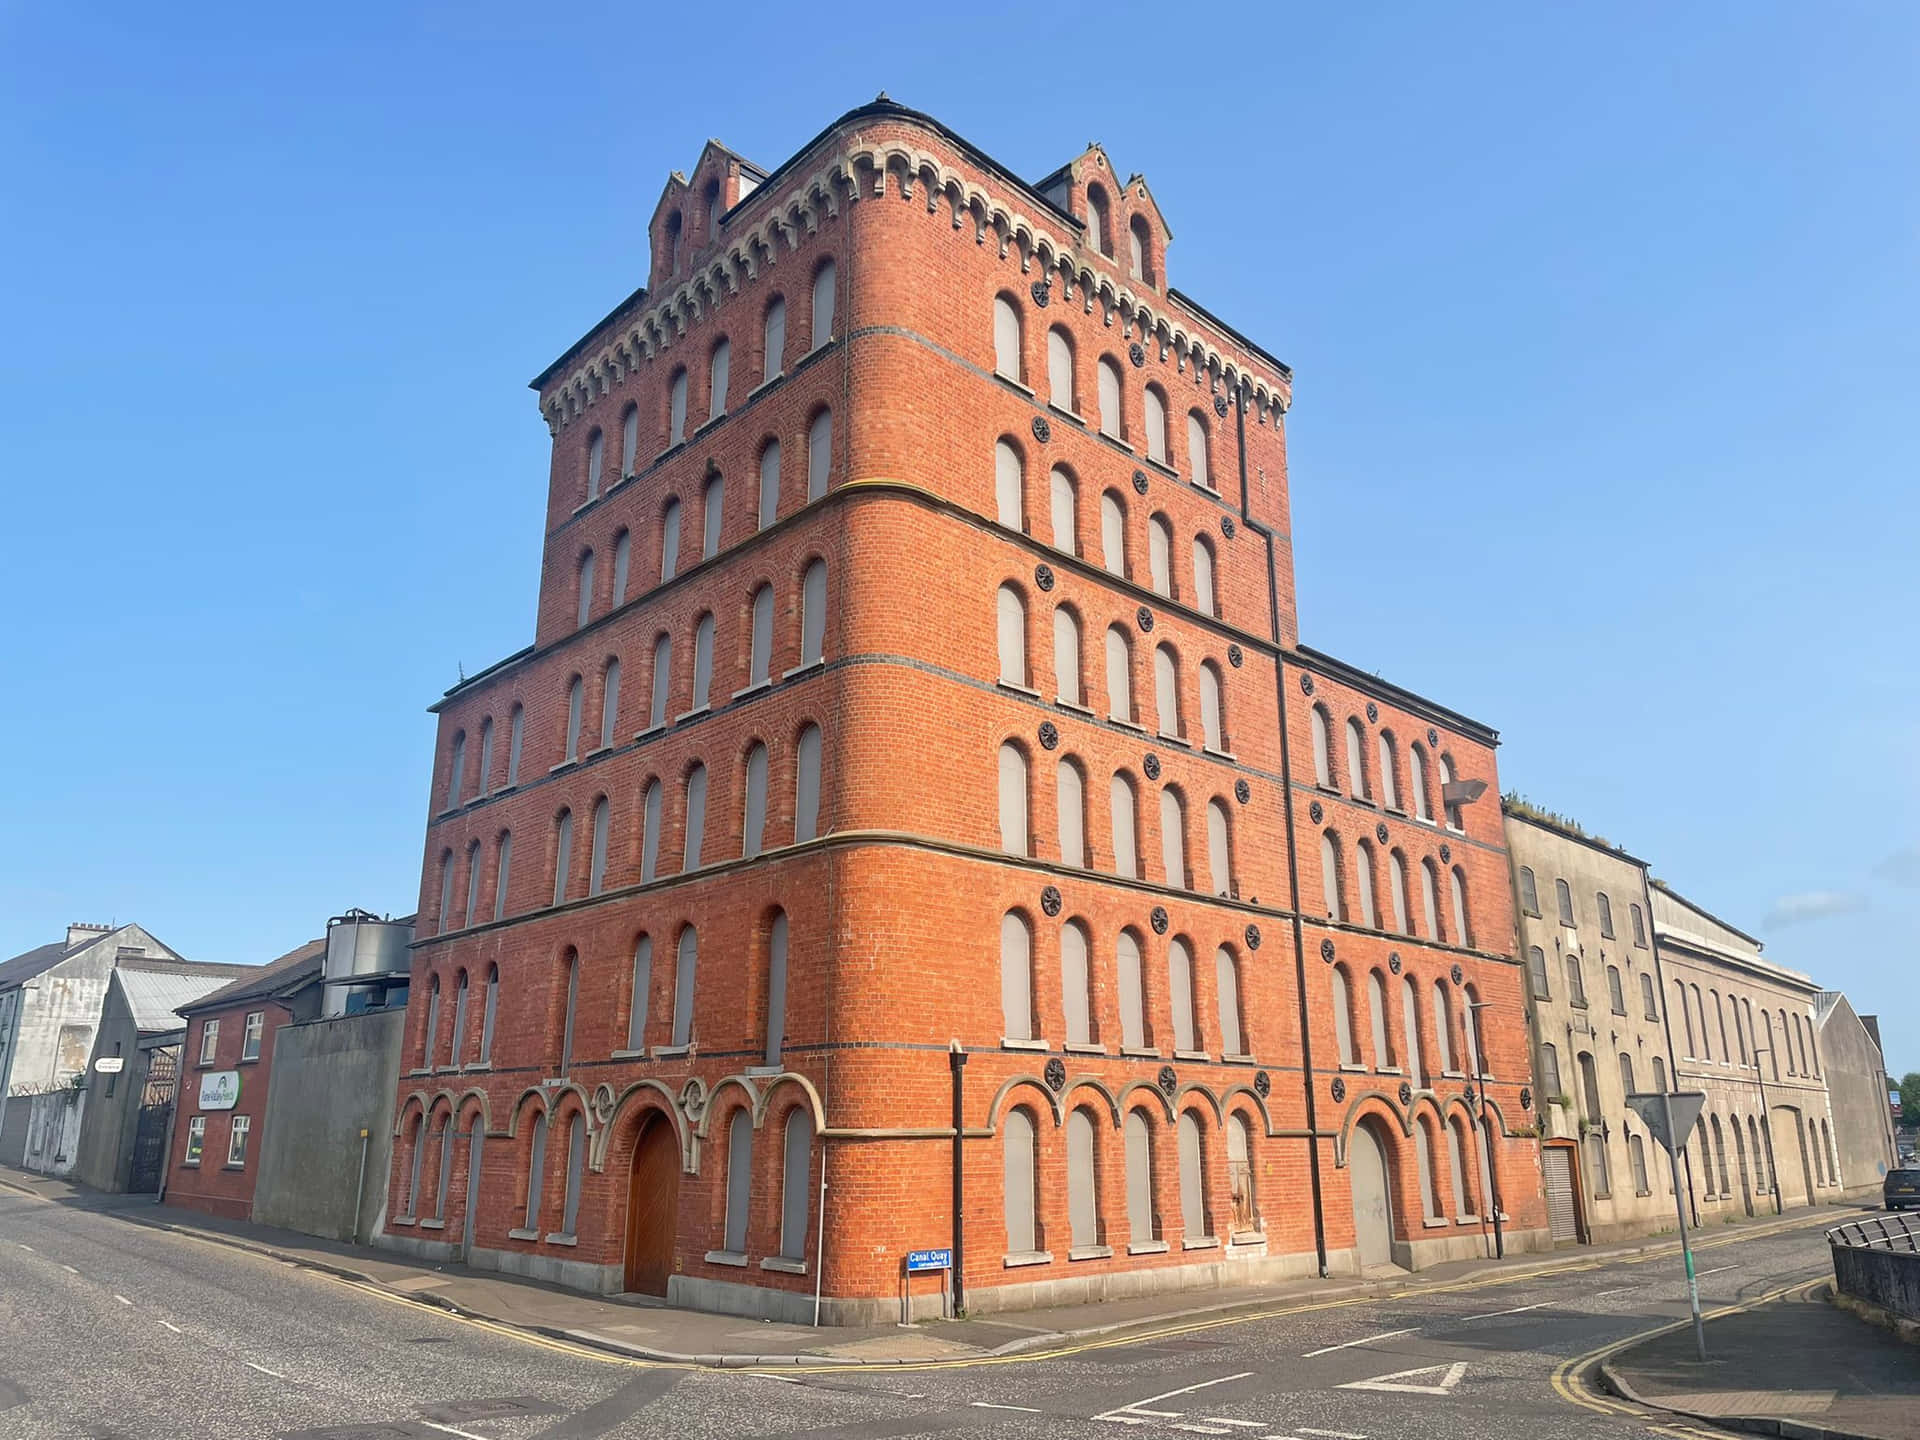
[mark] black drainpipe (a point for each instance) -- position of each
(1293, 859)
(957, 1062)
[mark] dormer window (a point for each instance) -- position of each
(1099, 220)
(1139, 250)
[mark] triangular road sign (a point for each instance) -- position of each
(1670, 1116)
(1397, 1381)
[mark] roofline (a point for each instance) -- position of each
(1399, 695)
(1712, 951)
(283, 985)
(1181, 297)
(1752, 940)
(479, 675)
(1566, 834)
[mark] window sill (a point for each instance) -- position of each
(248, 1060)
(396, 1220)
(763, 1072)
(1013, 384)
(1019, 689)
(417, 1070)
(563, 765)
(767, 384)
(505, 789)
(734, 1258)
(1126, 724)
(803, 667)
(1220, 754)
(1179, 740)
(1191, 1055)
(1163, 467)
(1353, 1069)
(195, 1165)
(1026, 1257)
(1067, 415)
(1238, 1059)
(639, 1054)
(697, 710)
(1388, 1070)
(231, 1166)
(1115, 441)
(781, 1265)
(671, 1052)
(1007, 1043)
(1433, 1224)
(557, 1238)
(709, 423)
(523, 1234)
(446, 1069)
(658, 727)
(1073, 705)
(1204, 1242)
(1204, 488)
(1133, 1053)
(1090, 1252)
(433, 1224)
(1246, 1239)
(1147, 1247)
(755, 687)
(1394, 809)
(675, 448)
(472, 1065)
(1074, 1048)
(1453, 1074)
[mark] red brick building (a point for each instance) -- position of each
(916, 733)
(220, 1106)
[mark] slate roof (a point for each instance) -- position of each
(288, 972)
(30, 963)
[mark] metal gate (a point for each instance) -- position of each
(1563, 1216)
(150, 1128)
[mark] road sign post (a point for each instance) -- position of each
(1671, 1117)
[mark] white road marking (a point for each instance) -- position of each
(123, 1299)
(1331, 1434)
(1620, 1291)
(23, 1245)
(275, 1373)
(69, 1269)
(1517, 1310)
(171, 1326)
(1138, 1414)
(464, 1434)
(1715, 1271)
(989, 1405)
(1229, 1420)
(1363, 1340)
(1400, 1380)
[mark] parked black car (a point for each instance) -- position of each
(1902, 1189)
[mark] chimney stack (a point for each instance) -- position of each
(79, 933)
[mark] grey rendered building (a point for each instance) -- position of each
(1857, 1091)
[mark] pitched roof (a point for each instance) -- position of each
(155, 990)
(29, 963)
(289, 972)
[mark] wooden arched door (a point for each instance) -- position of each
(653, 1194)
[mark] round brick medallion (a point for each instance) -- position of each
(1145, 618)
(1459, 975)
(1526, 1098)
(1226, 526)
(1253, 937)
(1262, 1085)
(1042, 292)
(1043, 576)
(1220, 405)
(1167, 1081)
(1140, 481)
(1151, 765)
(1317, 811)
(1339, 1088)
(1236, 657)
(1137, 353)
(1306, 684)
(1373, 712)
(1050, 900)
(1158, 919)
(1446, 853)
(1049, 735)
(1326, 951)
(1042, 431)
(1242, 791)
(1393, 962)
(1056, 1073)
(1380, 832)
(1406, 1093)
(1433, 736)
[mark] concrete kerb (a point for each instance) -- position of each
(1751, 1424)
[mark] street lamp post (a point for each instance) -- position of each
(1474, 1007)
(1766, 1126)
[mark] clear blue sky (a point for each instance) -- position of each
(1604, 321)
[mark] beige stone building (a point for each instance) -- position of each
(1598, 1024)
(1744, 1032)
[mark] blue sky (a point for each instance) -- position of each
(1604, 321)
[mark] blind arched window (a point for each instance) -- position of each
(1006, 338)
(1410, 1027)
(719, 373)
(754, 830)
(1430, 900)
(1166, 692)
(629, 440)
(1109, 375)
(806, 805)
(677, 409)
(813, 612)
(1140, 1216)
(1197, 451)
(796, 1188)
(1423, 1160)
(1462, 917)
(1356, 760)
(1063, 511)
(1397, 877)
(1019, 1170)
(685, 974)
(1173, 840)
(1389, 789)
(622, 566)
(1011, 615)
(1193, 1191)
(650, 832)
(1322, 748)
(1119, 675)
(696, 816)
(1076, 984)
(712, 513)
(1363, 875)
(1113, 535)
(502, 866)
(1016, 977)
(819, 454)
(484, 780)
(773, 339)
(1155, 410)
(1226, 989)
(776, 987)
(823, 286)
(562, 854)
(703, 663)
(1342, 989)
(1008, 485)
(1442, 1026)
(1160, 555)
(662, 681)
(670, 541)
(1210, 731)
(1083, 1201)
(1059, 370)
(1203, 600)
(1377, 1017)
(739, 1182)
(769, 485)
(1130, 977)
(609, 704)
(1066, 656)
(597, 865)
(1330, 877)
(584, 608)
(1126, 845)
(576, 699)
(1180, 996)
(1219, 853)
(760, 639)
(641, 995)
(596, 458)
(1071, 809)
(1013, 800)
(1417, 779)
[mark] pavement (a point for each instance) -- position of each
(150, 1333)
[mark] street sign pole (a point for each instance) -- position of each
(1686, 1250)
(1670, 1130)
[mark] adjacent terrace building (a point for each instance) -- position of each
(916, 822)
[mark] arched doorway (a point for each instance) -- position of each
(1740, 1152)
(474, 1138)
(1372, 1209)
(653, 1193)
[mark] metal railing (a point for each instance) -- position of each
(1883, 1232)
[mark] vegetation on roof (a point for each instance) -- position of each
(1514, 803)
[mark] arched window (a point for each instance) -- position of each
(1410, 1025)
(484, 780)
(670, 541)
(1639, 926)
(685, 974)
(796, 1187)
(1616, 995)
(1119, 675)
(1197, 449)
(1659, 1074)
(1423, 1163)
(622, 566)
(1538, 984)
(1099, 220)
(596, 459)
(1019, 1171)
(1006, 338)
(1173, 839)
(536, 1171)
(1141, 1226)
(1649, 1004)
(629, 441)
(1550, 1073)
(502, 866)
(1397, 891)
(1377, 1015)
(487, 1012)
(1786, 1034)
(1125, 810)
(769, 485)
(1576, 979)
(823, 279)
(457, 769)
(1016, 978)
(1012, 616)
(1240, 1187)
(1070, 796)
(1759, 1156)
(562, 854)
(719, 373)
(1470, 1021)
(1186, 1037)
(662, 681)
(1322, 748)
(1009, 486)
(1637, 1163)
(1131, 982)
(1219, 849)
(1605, 909)
(1059, 370)
(806, 805)
(446, 1165)
(1330, 877)
(702, 663)
(473, 883)
(1686, 1013)
(1589, 1087)
(1356, 760)
(1363, 874)
(1166, 692)
(760, 641)
(712, 515)
(1430, 900)
(1109, 381)
(1462, 918)
(696, 817)
(641, 994)
(813, 612)
(430, 1038)
(1773, 1055)
(1462, 1185)
(1343, 1016)
(776, 988)
(739, 1182)
(1160, 555)
(1063, 511)
(819, 454)
(571, 972)
(1156, 421)
(597, 865)
(1139, 250)
(609, 704)
(1389, 788)
(1210, 728)
(576, 696)
(753, 835)
(1203, 600)
(1720, 1023)
(1720, 1156)
(773, 339)
(576, 1172)
(584, 606)
(1076, 984)
(1417, 782)
(1443, 1027)
(1226, 984)
(1066, 656)
(677, 409)
(650, 805)
(1599, 1175)
(1113, 535)
(1013, 800)
(1563, 900)
(1194, 1219)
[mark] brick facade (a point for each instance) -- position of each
(209, 1182)
(894, 908)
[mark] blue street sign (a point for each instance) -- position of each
(923, 1260)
